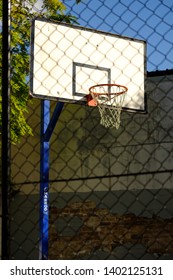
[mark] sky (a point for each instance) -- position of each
(149, 20)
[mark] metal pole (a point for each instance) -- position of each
(47, 126)
(5, 125)
(53, 121)
(44, 182)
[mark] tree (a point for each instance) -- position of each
(21, 14)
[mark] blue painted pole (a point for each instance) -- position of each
(53, 121)
(44, 182)
(47, 127)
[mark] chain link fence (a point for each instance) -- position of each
(110, 191)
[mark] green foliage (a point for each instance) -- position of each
(54, 5)
(21, 14)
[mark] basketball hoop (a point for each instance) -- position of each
(109, 99)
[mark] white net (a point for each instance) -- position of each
(109, 99)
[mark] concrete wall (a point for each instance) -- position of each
(82, 148)
(125, 170)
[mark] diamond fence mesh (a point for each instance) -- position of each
(110, 191)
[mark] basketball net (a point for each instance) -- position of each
(109, 99)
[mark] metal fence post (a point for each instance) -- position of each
(5, 126)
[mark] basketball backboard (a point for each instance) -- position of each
(66, 60)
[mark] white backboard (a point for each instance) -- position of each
(66, 60)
